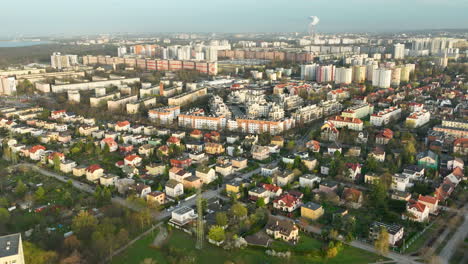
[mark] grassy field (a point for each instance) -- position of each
(211, 254)
(422, 239)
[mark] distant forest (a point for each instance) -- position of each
(41, 53)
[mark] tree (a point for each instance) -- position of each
(148, 261)
(381, 243)
(4, 216)
(83, 225)
(122, 237)
(36, 255)
(57, 162)
(71, 243)
(221, 219)
(238, 210)
(39, 195)
(217, 234)
(260, 202)
(20, 189)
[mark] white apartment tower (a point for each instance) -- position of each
(398, 51)
(382, 78)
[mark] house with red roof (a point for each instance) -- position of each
(352, 197)
(181, 162)
(132, 160)
(36, 152)
(197, 134)
(461, 146)
(94, 172)
(58, 114)
(173, 141)
(52, 156)
(429, 201)
(122, 126)
(313, 145)
(417, 211)
(273, 190)
(113, 146)
(287, 203)
(354, 170)
(384, 136)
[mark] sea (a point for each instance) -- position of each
(12, 44)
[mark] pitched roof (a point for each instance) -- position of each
(36, 148)
(427, 199)
(131, 157)
(93, 168)
(123, 123)
(288, 199)
(417, 205)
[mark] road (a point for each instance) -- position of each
(403, 259)
(462, 231)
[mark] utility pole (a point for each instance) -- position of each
(200, 226)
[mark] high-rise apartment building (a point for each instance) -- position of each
(326, 73)
(359, 73)
(59, 61)
(382, 77)
(309, 72)
(398, 51)
(343, 75)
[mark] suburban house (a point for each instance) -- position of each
(313, 145)
(371, 178)
(417, 211)
(258, 193)
(206, 174)
(287, 202)
(122, 126)
(283, 229)
(334, 147)
(132, 160)
(79, 170)
(146, 150)
(181, 162)
(108, 180)
(224, 169)
(67, 166)
(155, 168)
(239, 163)
(214, 148)
(113, 146)
(308, 180)
(182, 216)
(284, 178)
(192, 182)
(384, 136)
(260, 152)
(400, 182)
(378, 154)
(328, 186)
(395, 232)
(312, 211)
(278, 141)
(233, 187)
(173, 141)
(178, 174)
(94, 172)
(273, 190)
(156, 198)
(174, 188)
(141, 190)
(269, 170)
(352, 197)
(429, 201)
(414, 172)
(36, 152)
(428, 159)
(354, 170)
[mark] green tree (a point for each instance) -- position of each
(4, 216)
(260, 202)
(20, 189)
(381, 243)
(57, 162)
(83, 225)
(36, 255)
(217, 233)
(238, 210)
(39, 195)
(221, 219)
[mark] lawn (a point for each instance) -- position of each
(418, 243)
(211, 254)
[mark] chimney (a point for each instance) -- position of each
(161, 89)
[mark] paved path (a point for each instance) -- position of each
(161, 237)
(462, 231)
(398, 258)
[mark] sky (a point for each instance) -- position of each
(50, 17)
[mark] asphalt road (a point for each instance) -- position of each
(457, 238)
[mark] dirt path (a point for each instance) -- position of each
(161, 237)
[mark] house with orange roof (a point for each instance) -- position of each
(173, 141)
(36, 152)
(417, 211)
(197, 134)
(58, 114)
(355, 124)
(461, 146)
(313, 145)
(329, 131)
(122, 126)
(273, 190)
(384, 136)
(429, 201)
(113, 146)
(132, 160)
(94, 172)
(52, 156)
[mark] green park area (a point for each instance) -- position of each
(180, 248)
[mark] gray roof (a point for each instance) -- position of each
(312, 206)
(9, 245)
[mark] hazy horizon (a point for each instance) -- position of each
(56, 17)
